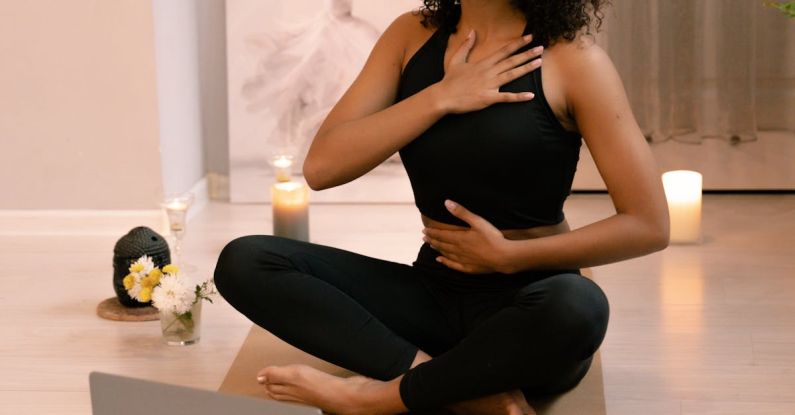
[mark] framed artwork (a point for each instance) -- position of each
(288, 64)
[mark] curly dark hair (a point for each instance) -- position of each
(549, 20)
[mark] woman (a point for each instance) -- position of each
(494, 309)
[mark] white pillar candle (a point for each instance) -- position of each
(683, 192)
(290, 210)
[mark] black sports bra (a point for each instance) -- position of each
(511, 163)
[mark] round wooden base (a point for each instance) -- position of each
(112, 309)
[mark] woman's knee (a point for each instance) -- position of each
(576, 308)
(240, 258)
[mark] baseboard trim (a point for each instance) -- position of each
(218, 186)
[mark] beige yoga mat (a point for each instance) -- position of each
(262, 349)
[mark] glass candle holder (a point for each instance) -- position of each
(283, 167)
(176, 209)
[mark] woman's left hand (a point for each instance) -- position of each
(480, 249)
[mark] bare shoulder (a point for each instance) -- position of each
(565, 64)
(585, 69)
(409, 22)
(408, 34)
(582, 47)
(580, 60)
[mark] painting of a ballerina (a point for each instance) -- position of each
(290, 62)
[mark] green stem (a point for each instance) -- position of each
(184, 318)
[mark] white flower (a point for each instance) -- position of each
(148, 264)
(135, 291)
(173, 294)
(139, 270)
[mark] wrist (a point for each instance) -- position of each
(506, 261)
(438, 99)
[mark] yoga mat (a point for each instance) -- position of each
(262, 349)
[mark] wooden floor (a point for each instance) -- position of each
(707, 329)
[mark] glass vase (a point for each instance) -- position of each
(182, 329)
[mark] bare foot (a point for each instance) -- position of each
(350, 396)
(508, 403)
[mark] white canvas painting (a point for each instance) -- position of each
(289, 62)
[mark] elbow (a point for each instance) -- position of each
(661, 241)
(315, 185)
(654, 231)
(312, 177)
(660, 236)
(317, 175)
(664, 231)
(651, 234)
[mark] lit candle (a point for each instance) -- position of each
(177, 205)
(176, 210)
(683, 192)
(290, 210)
(283, 166)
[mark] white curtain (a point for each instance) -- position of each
(697, 69)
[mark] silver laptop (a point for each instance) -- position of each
(119, 395)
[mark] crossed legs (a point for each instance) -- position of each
(375, 317)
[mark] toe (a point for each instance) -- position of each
(276, 374)
(261, 377)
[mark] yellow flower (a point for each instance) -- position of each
(137, 267)
(154, 276)
(170, 269)
(146, 283)
(129, 281)
(146, 295)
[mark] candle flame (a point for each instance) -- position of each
(283, 162)
(288, 186)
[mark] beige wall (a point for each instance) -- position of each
(78, 105)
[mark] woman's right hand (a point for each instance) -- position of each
(471, 86)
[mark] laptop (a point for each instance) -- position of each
(120, 395)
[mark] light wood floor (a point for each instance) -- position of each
(706, 329)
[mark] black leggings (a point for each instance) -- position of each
(534, 331)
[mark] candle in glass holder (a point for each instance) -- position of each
(283, 166)
(176, 209)
(290, 210)
(683, 192)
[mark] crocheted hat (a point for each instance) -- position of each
(139, 241)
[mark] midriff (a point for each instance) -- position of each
(512, 234)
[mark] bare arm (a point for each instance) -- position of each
(366, 127)
(640, 226)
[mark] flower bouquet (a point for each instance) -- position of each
(177, 301)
